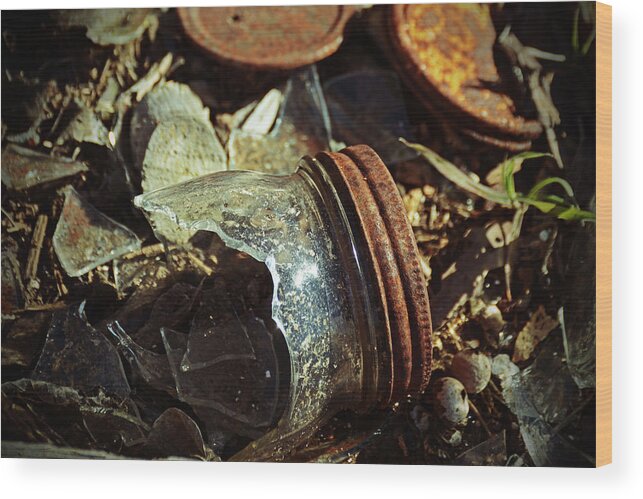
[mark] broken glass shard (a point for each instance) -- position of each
(173, 140)
(38, 411)
(216, 335)
(152, 367)
(367, 107)
(78, 356)
(579, 310)
(139, 271)
(544, 398)
(23, 168)
(263, 116)
(171, 310)
(176, 102)
(302, 128)
(175, 434)
(22, 338)
(491, 452)
(235, 384)
(86, 238)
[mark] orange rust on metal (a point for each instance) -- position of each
(396, 258)
(387, 275)
(407, 257)
(507, 144)
(270, 38)
(446, 52)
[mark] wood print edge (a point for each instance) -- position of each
(603, 234)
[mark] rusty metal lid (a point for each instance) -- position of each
(396, 265)
(267, 37)
(446, 53)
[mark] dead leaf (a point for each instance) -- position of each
(536, 330)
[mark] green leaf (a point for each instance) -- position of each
(458, 177)
(562, 211)
(508, 179)
(547, 203)
(575, 39)
(535, 190)
(588, 43)
(511, 166)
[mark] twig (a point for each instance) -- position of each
(206, 269)
(36, 246)
(42, 307)
(157, 72)
(146, 251)
(480, 418)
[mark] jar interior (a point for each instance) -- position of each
(282, 222)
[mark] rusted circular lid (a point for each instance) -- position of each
(392, 244)
(446, 51)
(267, 37)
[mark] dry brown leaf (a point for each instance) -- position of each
(536, 330)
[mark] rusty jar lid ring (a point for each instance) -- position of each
(395, 252)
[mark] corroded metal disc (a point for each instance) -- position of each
(267, 37)
(446, 53)
(395, 258)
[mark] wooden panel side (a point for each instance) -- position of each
(603, 234)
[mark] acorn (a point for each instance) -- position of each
(473, 369)
(450, 400)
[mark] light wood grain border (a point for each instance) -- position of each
(603, 234)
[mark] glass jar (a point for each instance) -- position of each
(349, 296)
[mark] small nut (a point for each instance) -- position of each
(473, 369)
(450, 400)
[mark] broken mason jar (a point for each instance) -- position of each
(349, 296)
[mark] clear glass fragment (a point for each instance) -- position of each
(263, 116)
(544, 398)
(175, 434)
(172, 141)
(44, 412)
(302, 128)
(491, 452)
(140, 271)
(229, 367)
(367, 107)
(78, 356)
(172, 309)
(23, 168)
(578, 318)
(86, 238)
(150, 366)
